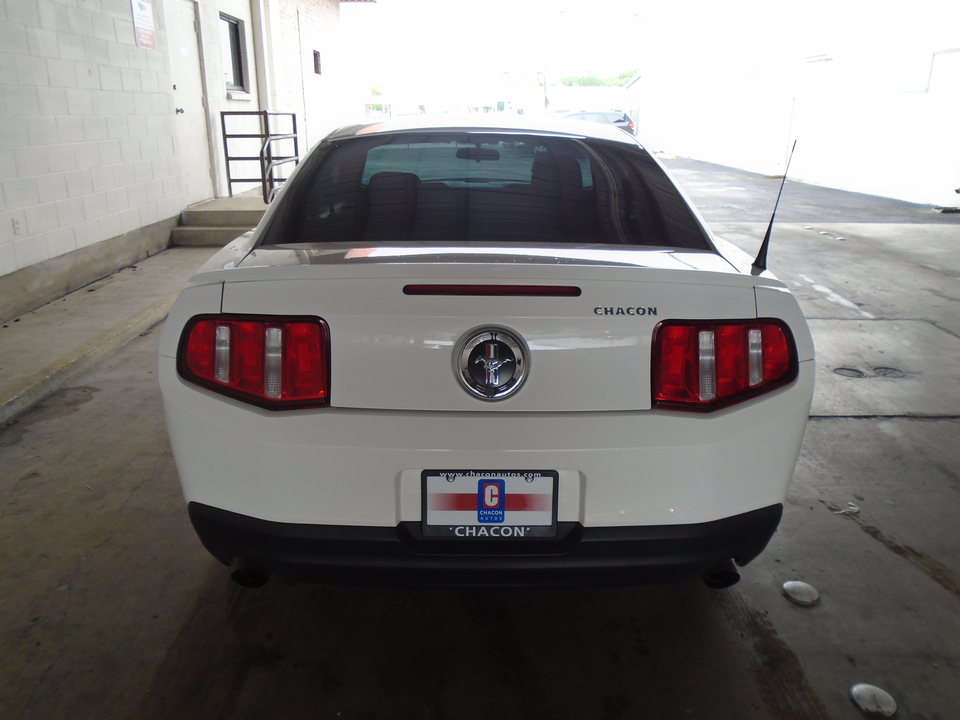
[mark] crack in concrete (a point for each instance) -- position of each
(948, 331)
(940, 574)
(884, 417)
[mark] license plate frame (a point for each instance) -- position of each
(456, 504)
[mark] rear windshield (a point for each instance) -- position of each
(485, 188)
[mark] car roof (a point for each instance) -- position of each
(497, 122)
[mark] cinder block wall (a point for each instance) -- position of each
(87, 149)
(91, 173)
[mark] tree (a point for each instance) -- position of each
(591, 80)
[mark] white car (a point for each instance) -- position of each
(484, 354)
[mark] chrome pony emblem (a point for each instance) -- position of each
(491, 363)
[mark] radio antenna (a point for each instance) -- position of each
(760, 264)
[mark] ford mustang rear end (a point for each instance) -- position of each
(484, 354)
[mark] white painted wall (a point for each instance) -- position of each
(297, 28)
(871, 95)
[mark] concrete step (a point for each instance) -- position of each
(214, 223)
(206, 235)
(221, 218)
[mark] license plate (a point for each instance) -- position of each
(490, 505)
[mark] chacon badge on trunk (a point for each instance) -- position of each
(491, 363)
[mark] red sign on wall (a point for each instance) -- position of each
(143, 24)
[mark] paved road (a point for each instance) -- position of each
(109, 607)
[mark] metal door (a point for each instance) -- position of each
(193, 139)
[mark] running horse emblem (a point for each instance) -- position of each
(491, 365)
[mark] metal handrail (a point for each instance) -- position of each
(269, 162)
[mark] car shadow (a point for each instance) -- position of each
(327, 652)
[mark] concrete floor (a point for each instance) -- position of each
(109, 606)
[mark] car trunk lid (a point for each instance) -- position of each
(398, 317)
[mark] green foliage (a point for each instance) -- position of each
(591, 80)
(376, 91)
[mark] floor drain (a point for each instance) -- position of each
(850, 372)
(889, 372)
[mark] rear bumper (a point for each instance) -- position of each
(402, 556)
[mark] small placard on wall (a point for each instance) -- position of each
(143, 27)
(316, 62)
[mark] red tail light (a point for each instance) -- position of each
(705, 365)
(266, 361)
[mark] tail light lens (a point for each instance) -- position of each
(267, 361)
(705, 365)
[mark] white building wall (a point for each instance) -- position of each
(872, 98)
(882, 140)
(302, 27)
(86, 133)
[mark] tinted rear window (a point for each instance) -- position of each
(484, 188)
